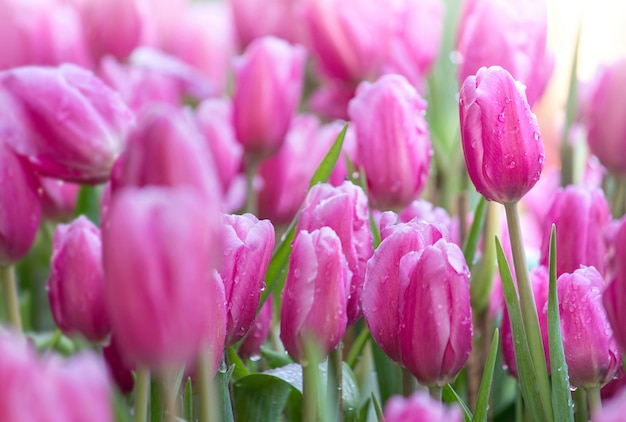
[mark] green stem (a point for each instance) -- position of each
(594, 399)
(169, 398)
(580, 406)
(619, 196)
(408, 383)
(435, 392)
(142, 391)
(207, 395)
(310, 387)
(252, 166)
(335, 380)
(11, 299)
(527, 305)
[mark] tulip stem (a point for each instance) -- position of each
(335, 380)
(311, 396)
(206, 386)
(408, 383)
(435, 392)
(169, 398)
(252, 166)
(142, 391)
(594, 399)
(527, 305)
(11, 299)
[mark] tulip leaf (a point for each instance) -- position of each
(188, 400)
(523, 361)
(562, 405)
(88, 203)
(261, 397)
(274, 277)
(223, 378)
(240, 369)
(471, 242)
(482, 402)
(450, 396)
(388, 374)
(358, 346)
(275, 359)
(378, 409)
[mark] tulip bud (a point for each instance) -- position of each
(591, 351)
(19, 204)
(435, 334)
(580, 215)
(268, 84)
(66, 121)
(607, 133)
(343, 209)
(381, 288)
(76, 286)
(419, 407)
(614, 296)
(426, 211)
(160, 246)
(257, 18)
(507, 34)
(251, 344)
(58, 199)
(539, 279)
(121, 373)
(248, 246)
(500, 136)
(315, 297)
(392, 140)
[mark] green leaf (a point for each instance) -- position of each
(482, 402)
(562, 406)
(223, 378)
(275, 359)
(471, 242)
(448, 395)
(388, 374)
(323, 171)
(188, 400)
(358, 346)
(240, 369)
(261, 397)
(525, 368)
(88, 203)
(378, 409)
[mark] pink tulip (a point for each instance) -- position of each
(248, 246)
(257, 18)
(612, 410)
(420, 407)
(606, 124)
(580, 215)
(591, 351)
(76, 286)
(343, 209)
(614, 296)
(315, 296)
(121, 372)
(507, 34)
(268, 84)
(160, 246)
(381, 288)
(251, 344)
(392, 140)
(424, 210)
(500, 136)
(58, 199)
(66, 121)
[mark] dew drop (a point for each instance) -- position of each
(501, 117)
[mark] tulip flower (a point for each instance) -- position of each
(315, 296)
(251, 344)
(268, 84)
(607, 131)
(257, 18)
(500, 136)
(580, 215)
(19, 204)
(343, 209)
(614, 297)
(66, 121)
(159, 247)
(591, 351)
(248, 246)
(121, 372)
(58, 199)
(381, 287)
(392, 140)
(424, 210)
(612, 410)
(419, 407)
(507, 34)
(76, 286)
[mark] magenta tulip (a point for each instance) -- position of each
(76, 286)
(66, 121)
(591, 351)
(248, 246)
(120, 371)
(257, 18)
(507, 34)
(580, 214)
(268, 85)
(315, 296)
(251, 344)
(160, 246)
(393, 142)
(614, 296)
(500, 136)
(58, 199)
(420, 407)
(612, 410)
(343, 209)
(20, 209)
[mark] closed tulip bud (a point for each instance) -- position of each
(343, 209)
(315, 297)
(382, 289)
(614, 296)
(507, 34)
(58, 199)
(248, 246)
(251, 344)
(420, 407)
(393, 143)
(257, 18)
(500, 136)
(160, 246)
(435, 334)
(65, 120)
(580, 215)
(121, 372)
(19, 202)
(607, 132)
(591, 351)
(424, 210)
(268, 85)
(76, 286)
